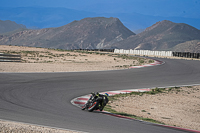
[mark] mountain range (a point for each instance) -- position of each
(101, 33)
(164, 35)
(47, 17)
(88, 33)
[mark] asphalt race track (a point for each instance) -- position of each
(44, 98)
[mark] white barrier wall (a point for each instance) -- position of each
(144, 52)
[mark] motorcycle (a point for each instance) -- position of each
(92, 104)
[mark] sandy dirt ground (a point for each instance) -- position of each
(48, 60)
(179, 107)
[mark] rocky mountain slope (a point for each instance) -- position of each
(8, 26)
(88, 33)
(163, 35)
(101, 33)
(188, 46)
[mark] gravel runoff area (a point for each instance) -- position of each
(49, 60)
(17, 127)
(178, 107)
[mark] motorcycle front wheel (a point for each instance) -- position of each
(93, 106)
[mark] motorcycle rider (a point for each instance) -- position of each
(103, 98)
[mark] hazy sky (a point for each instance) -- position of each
(183, 8)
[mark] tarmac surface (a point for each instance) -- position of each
(44, 98)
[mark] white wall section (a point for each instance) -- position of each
(144, 52)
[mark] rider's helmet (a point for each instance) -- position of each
(107, 94)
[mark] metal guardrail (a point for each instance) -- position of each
(186, 54)
(9, 58)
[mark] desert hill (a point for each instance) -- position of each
(9, 26)
(88, 33)
(163, 35)
(188, 46)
